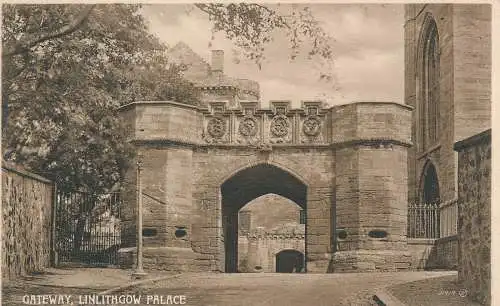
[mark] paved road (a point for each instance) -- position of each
(277, 289)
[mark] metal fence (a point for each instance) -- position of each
(423, 220)
(449, 218)
(87, 228)
(432, 220)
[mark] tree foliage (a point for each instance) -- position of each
(251, 27)
(63, 92)
(67, 68)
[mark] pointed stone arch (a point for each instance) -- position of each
(429, 192)
(428, 83)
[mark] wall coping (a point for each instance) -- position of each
(431, 241)
(480, 138)
(423, 241)
(446, 239)
(200, 108)
(330, 145)
(182, 105)
(21, 171)
(408, 107)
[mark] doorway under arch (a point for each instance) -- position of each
(429, 189)
(289, 261)
(425, 222)
(249, 184)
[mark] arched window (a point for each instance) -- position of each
(429, 85)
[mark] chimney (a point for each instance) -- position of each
(217, 62)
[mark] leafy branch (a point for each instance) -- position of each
(251, 27)
(28, 41)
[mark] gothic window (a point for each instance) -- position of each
(429, 102)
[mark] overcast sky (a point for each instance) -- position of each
(368, 45)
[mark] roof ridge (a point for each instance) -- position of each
(186, 47)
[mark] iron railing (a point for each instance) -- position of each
(423, 220)
(87, 228)
(432, 220)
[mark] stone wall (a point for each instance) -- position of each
(420, 250)
(474, 214)
(445, 253)
(26, 227)
(428, 254)
(269, 211)
(472, 69)
(257, 252)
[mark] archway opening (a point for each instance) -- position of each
(245, 186)
(430, 185)
(425, 217)
(289, 261)
(267, 225)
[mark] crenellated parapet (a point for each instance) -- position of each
(274, 236)
(312, 124)
(254, 126)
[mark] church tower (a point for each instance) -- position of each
(448, 82)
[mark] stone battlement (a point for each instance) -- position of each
(287, 231)
(258, 236)
(247, 124)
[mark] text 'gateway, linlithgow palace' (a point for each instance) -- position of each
(237, 184)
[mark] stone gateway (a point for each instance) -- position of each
(345, 166)
(375, 182)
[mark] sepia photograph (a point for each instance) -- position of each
(247, 153)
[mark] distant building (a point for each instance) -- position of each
(210, 78)
(270, 236)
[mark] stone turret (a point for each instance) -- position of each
(210, 78)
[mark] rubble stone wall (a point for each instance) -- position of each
(474, 214)
(26, 227)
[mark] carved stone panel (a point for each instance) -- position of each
(216, 130)
(311, 126)
(248, 127)
(248, 130)
(311, 131)
(280, 129)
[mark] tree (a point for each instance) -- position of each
(64, 79)
(66, 69)
(63, 91)
(24, 43)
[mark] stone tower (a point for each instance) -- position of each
(448, 82)
(210, 78)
